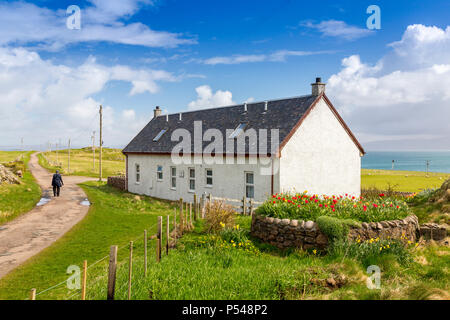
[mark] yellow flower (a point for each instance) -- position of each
(381, 248)
(222, 225)
(314, 251)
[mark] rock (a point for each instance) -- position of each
(285, 222)
(331, 282)
(294, 223)
(309, 225)
(137, 198)
(6, 176)
(321, 239)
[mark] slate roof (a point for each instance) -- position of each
(283, 114)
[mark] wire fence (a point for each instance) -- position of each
(173, 231)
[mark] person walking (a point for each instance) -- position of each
(57, 183)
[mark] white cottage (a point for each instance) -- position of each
(252, 149)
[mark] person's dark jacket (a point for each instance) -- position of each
(57, 180)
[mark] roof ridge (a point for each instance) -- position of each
(236, 105)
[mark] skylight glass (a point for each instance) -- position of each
(238, 131)
(159, 135)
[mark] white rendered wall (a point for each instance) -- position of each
(228, 179)
(321, 157)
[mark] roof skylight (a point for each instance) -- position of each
(240, 128)
(159, 135)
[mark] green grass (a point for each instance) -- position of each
(194, 271)
(17, 199)
(81, 162)
(113, 219)
(407, 181)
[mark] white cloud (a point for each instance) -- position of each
(278, 56)
(45, 100)
(27, 24)
(338, 29)
(403, 94)
(207, 99)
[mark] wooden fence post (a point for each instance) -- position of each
(145, 253)
(251, 207)
(83, 288)
(190, 214)
(209, 201)
(159, 239)
(167, 232)
(112, 272)
(244, 204)
(195, 206)
(175, 226)
(130, 270)
(33, 294)
(181, 216)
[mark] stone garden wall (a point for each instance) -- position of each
(118, 182)
(285, 233)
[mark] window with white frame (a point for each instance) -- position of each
(249, 185)
(209, 177)
(191, 179)
(159, 173)
(138, 173)
(173, 177)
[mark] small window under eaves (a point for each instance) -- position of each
(240, 128)
(159, 135)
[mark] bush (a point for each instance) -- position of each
(334, 228)
(218, 216)
(307, 207)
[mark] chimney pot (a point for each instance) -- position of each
(318, 87)
(157, 112)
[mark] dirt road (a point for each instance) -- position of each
(27, 235)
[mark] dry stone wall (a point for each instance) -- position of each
(118, 182)
(286, 233)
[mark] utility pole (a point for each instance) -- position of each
(101, 143)
(68, 165)
(393, 161)
(93, 150)
(428, 164)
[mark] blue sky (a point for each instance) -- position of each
(132, 55)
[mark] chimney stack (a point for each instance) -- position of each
(157, 112)
(318, 87)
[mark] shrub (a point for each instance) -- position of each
(334, 228)
(218, 215)
(307, 207)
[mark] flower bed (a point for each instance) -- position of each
(311, 207)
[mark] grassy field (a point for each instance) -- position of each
(193, 272)
(114, 218)
(407, 181)
(82, 164)
(17, 199)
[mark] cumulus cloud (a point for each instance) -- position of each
(405, 94)
(338, 29)
(278, 56)
(24, 23)
(50, 99)
(207, 99)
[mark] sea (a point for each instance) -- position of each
(438, 161)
